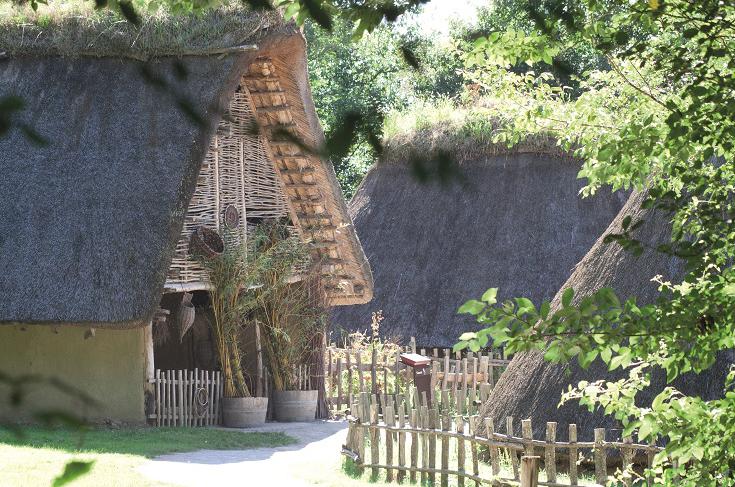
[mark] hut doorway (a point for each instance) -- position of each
(194, 348)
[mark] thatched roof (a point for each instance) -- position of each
(531, 387)
(518, 224)
(90, 222)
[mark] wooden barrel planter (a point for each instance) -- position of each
(206, 243)
(295, 406)
(244, 412)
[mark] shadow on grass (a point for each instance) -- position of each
(147, 442)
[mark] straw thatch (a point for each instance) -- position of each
(517, 224)
(90, 222)
(531, 387)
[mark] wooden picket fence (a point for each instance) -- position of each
(469, 377)
(187, 397)
(427, 443)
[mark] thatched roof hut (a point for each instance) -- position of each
(517, 223)
(98, 224)
(93, 220)
(531, 387)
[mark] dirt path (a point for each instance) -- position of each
(305, 463)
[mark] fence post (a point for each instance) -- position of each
(359, 371)
(414, 446)
(529, 471)
(527, 433)
(446, 425)
(573, 454)
(433, 420)
(550, 453)
(627, 454)
(373, 371)
(512, 453)
(390, 421)
(158, 397)
(424, 423)
(374, 436)
(401, 441)
(494, 457)
(600, 457)
(474, 422)
(459, 421)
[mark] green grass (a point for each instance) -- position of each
(40, 456)
(75, 27)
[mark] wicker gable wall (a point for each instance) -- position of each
(236, 171)
(259, 161)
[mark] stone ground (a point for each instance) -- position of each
(316, 451)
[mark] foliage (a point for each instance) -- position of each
(659, 121)
(364, 77)
(291, 313)
(231, 274)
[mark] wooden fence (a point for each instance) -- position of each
(468, 377)
(411, 439)
(187, 397)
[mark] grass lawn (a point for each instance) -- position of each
(41, 455)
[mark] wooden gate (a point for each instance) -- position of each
(187, 397)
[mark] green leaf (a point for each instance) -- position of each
(473, 307)
(467, 336)
(566, 297)
(460, 346)
(72, 471)
(545, 308)
(490, 296)
(605, 355)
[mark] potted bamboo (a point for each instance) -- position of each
(290, 313)
(231, 274)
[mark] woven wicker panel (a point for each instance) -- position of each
(236, 171)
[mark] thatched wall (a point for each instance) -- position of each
(518, 224)
(531, 387)
(90, 221)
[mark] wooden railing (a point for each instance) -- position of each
(430, 444)
(187, 397)
(468, 377)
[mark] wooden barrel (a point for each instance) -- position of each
(293, 406)
(244, 412)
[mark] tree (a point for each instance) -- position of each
(662, 121)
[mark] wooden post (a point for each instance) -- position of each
(446, 425)
(494, 456)
(627, 453)
(511, 453)
(573, 454)
(359, 371)
(474, 422)
(424, 424)
(349, 374)
(401, 441)
(339, 383)
(373, 370)
(374, 437)
(390, 420)
(529, 471)
(527, 432)
(550, 452)
(445, 379)
(433, 426)
(600, 457)
(414, 446)
(158, 397)
(413, 345)
(459, 421)
(259, 359)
